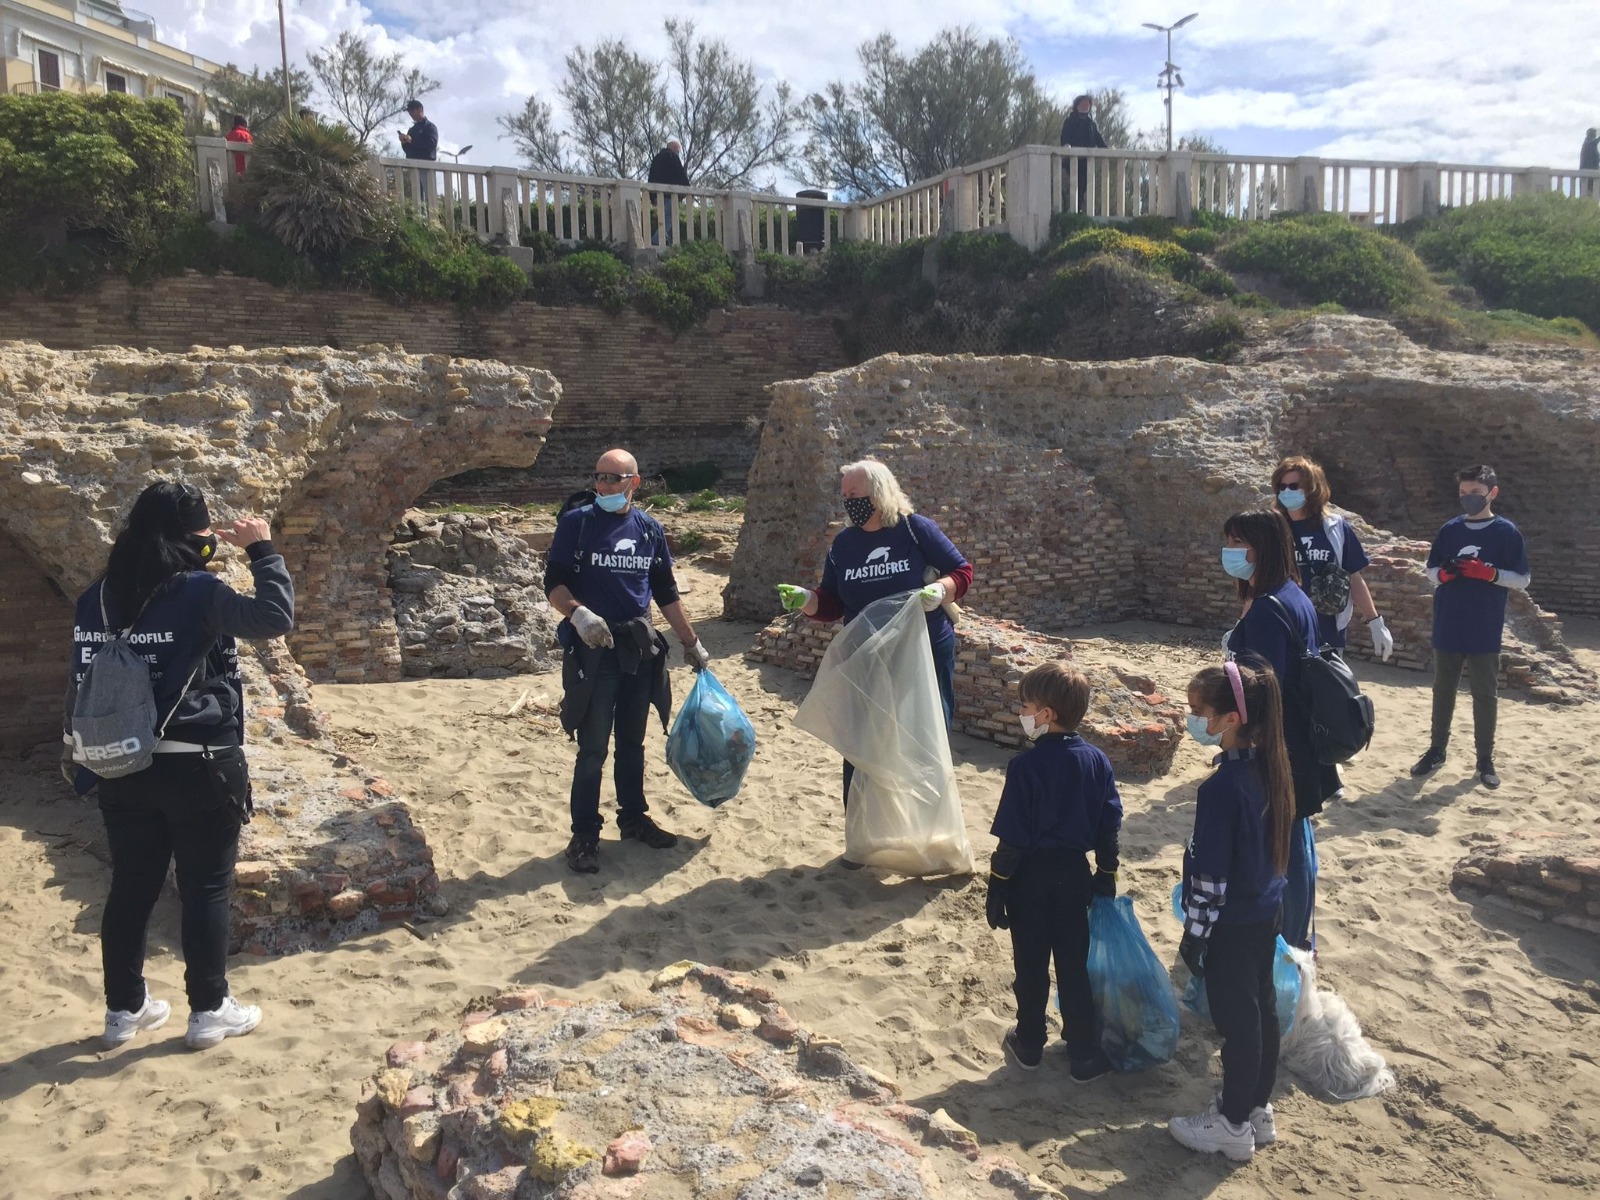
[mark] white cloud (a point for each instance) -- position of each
(1472, 81)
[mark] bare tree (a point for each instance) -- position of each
(617, 107)
(538, 140)
(728, 133)
(366, 89)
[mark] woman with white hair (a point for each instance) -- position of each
(887, 548)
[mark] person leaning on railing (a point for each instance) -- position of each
(667, 167)
(1080, 132)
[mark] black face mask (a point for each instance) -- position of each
(1473, 503)
(205, 547)
(859, 509)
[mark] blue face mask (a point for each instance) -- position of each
(615, 502)
(1197, 730)
(1236, 563)
(1292, 499)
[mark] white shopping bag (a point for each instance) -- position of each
(876, 701)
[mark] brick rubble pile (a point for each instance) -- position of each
(1550, 875)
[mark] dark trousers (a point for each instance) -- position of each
(171, 810)
(944, 670)
(1245, 1008)
(1049, 910)
(1482, 672)
(621, 702)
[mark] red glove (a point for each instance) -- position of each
(1448, 573)
(1476, 568)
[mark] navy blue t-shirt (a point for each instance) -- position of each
(863, 567)
(1262, 631)
(1469, 615)
(1232, 842)
(614, 563)
(1313, 553)
(1059, 795)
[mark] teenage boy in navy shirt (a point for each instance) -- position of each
(1060, 801)
(1474, 560)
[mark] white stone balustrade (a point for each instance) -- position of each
(1017, 193)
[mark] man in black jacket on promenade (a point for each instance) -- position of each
(1079, 130)
(1589, 158)
(666, 167)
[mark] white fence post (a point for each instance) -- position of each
(504, 215)
(1028, 196)
(738, 230)
(966, 199)
(1305, 183)
(1177, 186)
(627, 214)
(211, 177)
(1419, 191)
(1531, 182)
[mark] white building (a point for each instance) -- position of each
(94, 46)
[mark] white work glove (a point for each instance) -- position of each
(1382, 639)
(697, 656)
(931, 596)
(592, 628)
(1227, 647)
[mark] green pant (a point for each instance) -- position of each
(1482, 672)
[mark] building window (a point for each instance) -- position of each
(49, 71)
(180, 97)
(116, 83)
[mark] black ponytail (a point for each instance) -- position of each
(1263, 701)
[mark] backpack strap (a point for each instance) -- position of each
(1295, 636)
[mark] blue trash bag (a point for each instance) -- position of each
(1133, 994)
(1285, 979)
(711, 743)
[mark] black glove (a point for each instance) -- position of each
(1193, 952)
(1105, 884)
(994, 904)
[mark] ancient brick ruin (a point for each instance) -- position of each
(1093, 491)
(1549, 875)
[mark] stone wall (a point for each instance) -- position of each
(674, 399)
(1138, 727)
(1550, 875)
(35, 637)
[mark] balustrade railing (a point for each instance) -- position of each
(1016, 193)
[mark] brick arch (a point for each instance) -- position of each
(35, 631)
(335, 527)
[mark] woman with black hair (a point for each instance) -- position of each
(189, 803)
(1280, 625)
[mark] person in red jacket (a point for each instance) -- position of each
(239, 133)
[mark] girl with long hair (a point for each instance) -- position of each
(1233, 887)
(190, 802)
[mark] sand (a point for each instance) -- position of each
(1492, 1022)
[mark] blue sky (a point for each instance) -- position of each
(1475, 81)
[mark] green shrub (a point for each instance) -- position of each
(1064, 224)
(251, 251)
(785, 273)
(1157, 229)
(1219, 339)
(985, 255)
(690, 540)
(416, 261)
(1327, 259)
(1213, 282)
(596, 276)
(672, 308)
(1198, 239)
(702, 271)
(1168, 258)
(1253, 300)
(854, 267)
(311, 186)
(1539, 254)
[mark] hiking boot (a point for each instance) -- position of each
(1486, 775)
(583, 855)
(229, 1019)
(123, 1027)
(1429, 762)
(1087, 1069)
(643, 829)
(1213, 1133)
(1263, 1126)
(1014, 1052)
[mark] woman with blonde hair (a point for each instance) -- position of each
(887, 548)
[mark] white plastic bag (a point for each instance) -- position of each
(876, 701)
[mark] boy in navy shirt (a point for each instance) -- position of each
(1060, 801)
(1474, 560)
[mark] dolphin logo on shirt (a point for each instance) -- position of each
(882, 552)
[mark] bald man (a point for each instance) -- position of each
(608, 560)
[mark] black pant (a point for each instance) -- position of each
(1483, 672)
(172, 809)
(1049, 910)
(621, 702)
(1245, 1008)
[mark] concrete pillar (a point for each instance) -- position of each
(211, 178)
(627, 215)
(505, 213)
(1531, 182)
(739, 226)
(1419, 191)
(1175, 177)
(1028, 196)
(1305, 185)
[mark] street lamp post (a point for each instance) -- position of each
(1169, 77)
(283, 44)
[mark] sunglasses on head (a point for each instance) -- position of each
(610, 477)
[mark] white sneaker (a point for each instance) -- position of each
(123, 1027)
(232, 1019)
(1211, 1132)
(1262, 1123)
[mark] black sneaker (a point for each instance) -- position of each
(1429, 762)
(583, 855)
(1015, 1053)
(1091, 1068)
(1486, 775)
(647, 831)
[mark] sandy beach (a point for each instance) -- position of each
(1491, 1021)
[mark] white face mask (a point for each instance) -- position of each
(1033, 728)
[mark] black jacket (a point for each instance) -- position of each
(1589, 156)
(636, 641)
(667, 167)
(424, 141)
(1080, 130)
